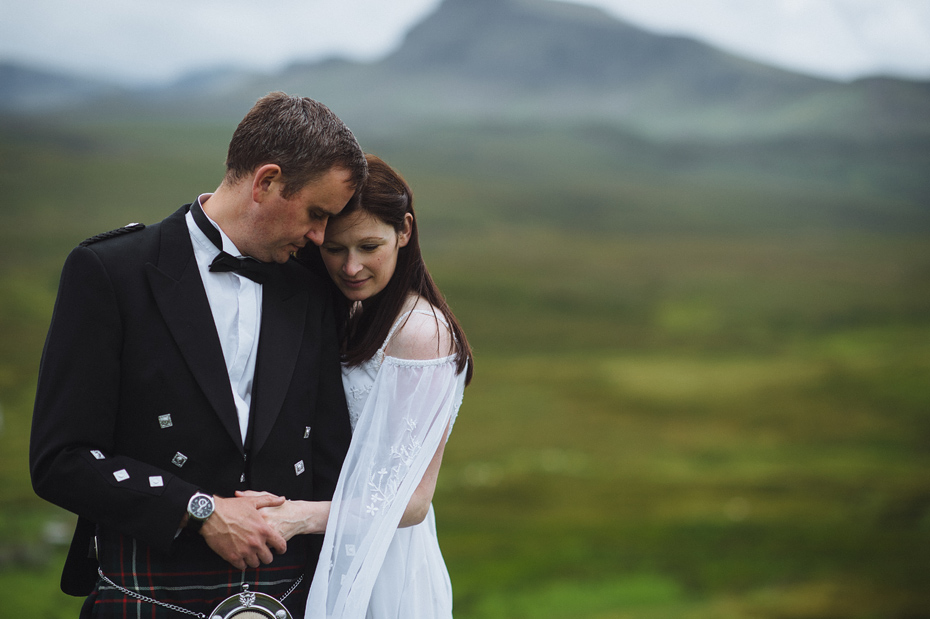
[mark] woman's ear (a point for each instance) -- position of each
(403, 237)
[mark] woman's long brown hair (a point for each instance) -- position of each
(387, 197)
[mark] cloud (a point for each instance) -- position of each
(161, 39)
(146, 40)
(834, 38)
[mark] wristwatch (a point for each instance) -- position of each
(199, 508)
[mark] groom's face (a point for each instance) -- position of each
(281, 226)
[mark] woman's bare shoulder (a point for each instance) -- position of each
(423, 333)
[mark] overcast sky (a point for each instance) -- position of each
(157, 40)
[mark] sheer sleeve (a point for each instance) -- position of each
(399, 430)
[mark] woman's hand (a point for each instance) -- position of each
(238, 532)
(293, 517)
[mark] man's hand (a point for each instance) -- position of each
(294, 517)
(237, 532)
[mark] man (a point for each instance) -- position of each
(176, 374)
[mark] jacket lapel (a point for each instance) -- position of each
(180, 295)
(284, 311)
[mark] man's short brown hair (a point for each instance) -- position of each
(300, 135)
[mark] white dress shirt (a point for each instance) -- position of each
(236, 303)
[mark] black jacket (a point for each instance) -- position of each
(134, 411)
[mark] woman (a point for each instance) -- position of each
(406, 362)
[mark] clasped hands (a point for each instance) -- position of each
(249, 529)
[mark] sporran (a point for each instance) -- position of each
(243, 605)
(250, 605)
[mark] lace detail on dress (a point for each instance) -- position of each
(384, 490)
(355, 399)
(400, 411)
(455, 414)
(358, 380)
(357, 393)
(418, 363)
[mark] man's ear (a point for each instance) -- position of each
(264, 180)
(403, 237)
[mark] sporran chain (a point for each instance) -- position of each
(174, 607)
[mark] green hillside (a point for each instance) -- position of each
(701, 383)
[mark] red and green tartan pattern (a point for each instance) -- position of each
(192, 577)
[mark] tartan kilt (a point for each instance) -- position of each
(191, 576)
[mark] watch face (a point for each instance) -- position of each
(200, 507)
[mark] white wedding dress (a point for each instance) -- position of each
(368, 567)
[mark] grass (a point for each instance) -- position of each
(725, 493)
(698, 394)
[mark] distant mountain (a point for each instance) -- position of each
(540, 46)
(36, 90)
(526, 61)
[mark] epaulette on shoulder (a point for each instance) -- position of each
(109, 235)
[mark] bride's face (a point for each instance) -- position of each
(360, 253)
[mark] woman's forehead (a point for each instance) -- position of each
(358, 224)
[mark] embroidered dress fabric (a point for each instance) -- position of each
(368, 567)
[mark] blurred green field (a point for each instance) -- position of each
(702, 383)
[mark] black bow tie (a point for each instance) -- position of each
(246, 267)
(224, 262)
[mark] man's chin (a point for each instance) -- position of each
(280, 257)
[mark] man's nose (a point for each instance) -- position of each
(316, 234)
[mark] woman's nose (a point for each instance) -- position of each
(352, 265)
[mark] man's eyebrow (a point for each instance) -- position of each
(319, 209)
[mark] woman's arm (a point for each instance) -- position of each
(294, 517)
(419, 503)
(422, 337)
(303, 517)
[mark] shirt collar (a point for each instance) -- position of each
(228, 246)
